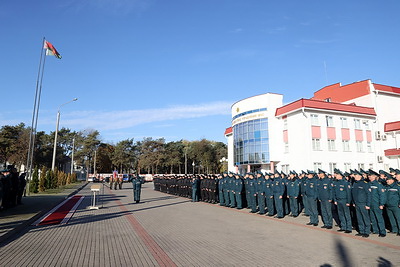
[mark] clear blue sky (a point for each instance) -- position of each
(172, 68)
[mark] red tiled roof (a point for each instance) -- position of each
(392, 152)
(323, 105)
(338, 93)
(228, 131)
(392, 126)
(386, 88)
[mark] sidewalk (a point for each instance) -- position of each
(14, 219)
(166, 230)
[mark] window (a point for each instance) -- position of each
(331, 145)
(359, 146)
(317, 165)
(286, 147)
(332, 167)
(343, 122)
(369, 147)
(285, 124)
(285, 168)
(357, 124)
(360, 166)
(329, 121)
(314, 120)
(371, 166)
(316, 144)
(366, 123)
(346, 145)
(347, 167)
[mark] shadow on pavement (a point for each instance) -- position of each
(346, 260)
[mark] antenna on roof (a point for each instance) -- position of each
(326, 73)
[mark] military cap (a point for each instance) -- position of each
(363, 172)
(303, 172)
(321, 171)
(388, 175)
(337, 171)
(293, 172)
(397, 171)
(276, 172)
(310, 172)
(372, 172)
(346, 174)
(356, 172)
(392, 170)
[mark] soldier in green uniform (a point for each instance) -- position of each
(195, 189)
(361, 196)
(269, 196)
(378, 200)
(238, 189)
(226, 190)
(137, 188)
(221, 190)
(231, 189)
(342, 199)
(393, 204)
(293, 191)
(278, 190)
(311, 196)
(261, 192)
(324, 191)
(252, 192)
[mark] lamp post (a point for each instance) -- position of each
(193, 166)
(56, 133)
(223, 160)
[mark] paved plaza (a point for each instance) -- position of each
(165, 230)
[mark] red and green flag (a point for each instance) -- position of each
(51, 50)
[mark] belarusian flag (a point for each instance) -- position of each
(51, 50)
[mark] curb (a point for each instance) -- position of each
(28, 222)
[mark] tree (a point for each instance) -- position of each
(9, 136)
(87, 143)
(123, 156)
(173, 155)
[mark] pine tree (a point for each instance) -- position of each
(34, 184)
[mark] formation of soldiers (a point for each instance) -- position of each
(366, 201)
(12, 187)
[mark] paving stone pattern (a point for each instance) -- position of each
(165, 230)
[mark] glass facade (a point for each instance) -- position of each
(251, 142)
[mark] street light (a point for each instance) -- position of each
(223, 160)
(55, 135)
(193, 166)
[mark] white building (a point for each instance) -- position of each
(356, 126)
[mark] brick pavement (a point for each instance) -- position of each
(166, 230)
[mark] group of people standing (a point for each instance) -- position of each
(12, 187)
(367, 201)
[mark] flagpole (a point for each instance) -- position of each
(36, 104)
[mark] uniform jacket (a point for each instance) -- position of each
(342, 191)
(393, 195)
(361, 193)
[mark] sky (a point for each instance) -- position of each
(172, 68)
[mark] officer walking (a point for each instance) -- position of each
(137, 188)
(195, 189)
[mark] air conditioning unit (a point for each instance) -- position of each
(380, 159)
(378, 135)
(383, 137)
